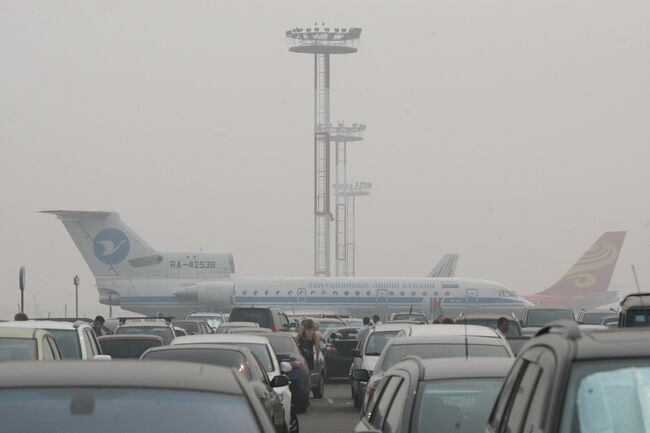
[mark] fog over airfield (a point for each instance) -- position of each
(511, 132)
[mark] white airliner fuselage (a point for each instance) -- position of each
(131, 274)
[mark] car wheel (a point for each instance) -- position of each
(319, 389)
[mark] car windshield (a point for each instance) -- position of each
(429, 351)
(282, 344)
(513, 330)
(262, 317)
(127, 347)
(377, 341)
(224, 358)
(68, 341)
(544, 317)
(261, 351)
(330, 324)
(110, 410)
(595, 318)
(608, 396)
(457, 405)
(17, 349)
(213, 321)
(161, 331)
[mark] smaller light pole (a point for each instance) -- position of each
(21, 285)
(75, 281)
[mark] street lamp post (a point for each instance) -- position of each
(75, 281)
(21, 286)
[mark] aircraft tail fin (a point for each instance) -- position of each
(593, 272)
(446, 267)
(110, 247)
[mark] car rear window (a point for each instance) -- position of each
(213, 321)
(214, 356)
(377, 341)
(513, 329)
(458, 405)
(544, 317)
(161, 331)
(261, 351)
(127, 347)
(68, 341)
(17, 349)
(262, 317)
(430, 351)
(282, 344)
(110, 410)
(188, 326)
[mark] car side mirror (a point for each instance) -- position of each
(285, 367)
(279, 381)
(361, 375)
(102, 358)
(356, 353)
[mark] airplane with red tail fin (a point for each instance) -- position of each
(586, 284)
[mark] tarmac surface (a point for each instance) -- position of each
(334, 413)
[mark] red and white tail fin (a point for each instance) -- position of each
(593, 272)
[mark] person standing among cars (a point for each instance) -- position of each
(376, 320)
(364, 328)
(308, 341)
(98, 326)
(503, 326)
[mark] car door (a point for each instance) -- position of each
(522, 395)
(273, 400)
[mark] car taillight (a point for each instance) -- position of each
(329, 348)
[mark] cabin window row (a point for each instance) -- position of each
(334, 293)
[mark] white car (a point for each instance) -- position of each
(367, 352)
(261, 348)
(76, 339)
(438, 341)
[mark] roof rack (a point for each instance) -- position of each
(567, 327)
(65, 319)
(123, 320)
(634, 297)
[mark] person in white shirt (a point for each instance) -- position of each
(364, 328)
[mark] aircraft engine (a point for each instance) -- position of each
(208, 293)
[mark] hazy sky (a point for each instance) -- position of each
(511, 132)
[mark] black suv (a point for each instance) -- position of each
(271, 318)
(634, 311)
(568, 381)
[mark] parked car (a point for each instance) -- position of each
(567, 380)
(435, 347)
(635, 311)
(272, 318)
(240, 359)
(194, 326)
(128, 396)
(534, 318)
(444, 395)
(76, 340)
(286, 350)
(417, 317)
(338, 344)
(161, 327)
(515, 337)
(593, 317)
(214, 319)
(128, 346)
(367, 353)
(28, 344)
(261, 348)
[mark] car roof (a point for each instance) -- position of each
(440, 329)
(130, 337)
(29, 333)
(548, 308)
(387, 327)
(120, 374)
(145, 324)
(483, 315)
(613, 343)
(472, 367)
(241, 324)
(447, 339)
(232, 348)
(45, 324)
(220, 338)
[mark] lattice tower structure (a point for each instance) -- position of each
(351, 191)
(322, 42)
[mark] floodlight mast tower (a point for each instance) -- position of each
(351, 191)
(322, 42)
(341, 134)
